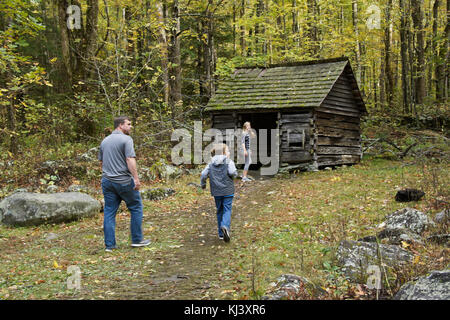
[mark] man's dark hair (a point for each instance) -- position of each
(120, 120)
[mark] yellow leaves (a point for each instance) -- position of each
(54, 60)
(56, 265)
(416, 260)
(227, 291)
(335, 179)
(405, 244)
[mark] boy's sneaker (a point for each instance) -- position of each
(220, 237)
(109, 249)
(143, 243)
(226, 234)
(245, 179)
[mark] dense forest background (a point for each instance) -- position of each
(68, 67)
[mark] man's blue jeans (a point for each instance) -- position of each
(223, 205)
(113, 194)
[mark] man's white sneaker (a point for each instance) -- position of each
(143, 243)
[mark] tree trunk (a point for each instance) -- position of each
(312, 32)
(404, 56)
(91, 34)
(389, 83)
(357, 44)
(65, 43)
(12, 125)
(447, 55)
(242, 35)
(209, 54)
(417, 16)
(175, 62)
(162, 39)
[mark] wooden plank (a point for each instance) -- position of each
(336, 133)
(339, 160)
(295, 156)
(351, 106)
(224, 126)
(340, 90)
(337, 112)
(295, 126)
(335, 96)
(321, 150)
(337, 124)
(325, 107)
(332, 141)
(296, 115)
(335, 117)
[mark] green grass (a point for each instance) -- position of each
(289, 224)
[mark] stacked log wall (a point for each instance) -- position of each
(337, 126)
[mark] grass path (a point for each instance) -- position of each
(288, 224)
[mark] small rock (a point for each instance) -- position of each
(52, 189)
(77, 188)
(440, 239)
(51, 236)
(293, 287)
(156, 193)
(435, 286)
(90, 155)
(20, 190)
(408, 195)
(194, 185)
(168, 172)
(442, 217)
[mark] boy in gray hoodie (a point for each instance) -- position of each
(221, 171)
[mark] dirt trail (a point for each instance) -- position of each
(195, 269)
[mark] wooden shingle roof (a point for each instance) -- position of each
(296, 85)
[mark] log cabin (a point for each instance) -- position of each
(315, 105)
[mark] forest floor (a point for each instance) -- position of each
(289, 224)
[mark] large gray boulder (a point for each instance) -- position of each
(27, 209)
(355, 257)
(434, 286)
(408, 218)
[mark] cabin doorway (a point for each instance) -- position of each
(258, 121)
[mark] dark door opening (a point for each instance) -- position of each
(258, 121)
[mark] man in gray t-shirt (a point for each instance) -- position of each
(115, 150)
(120, 181)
